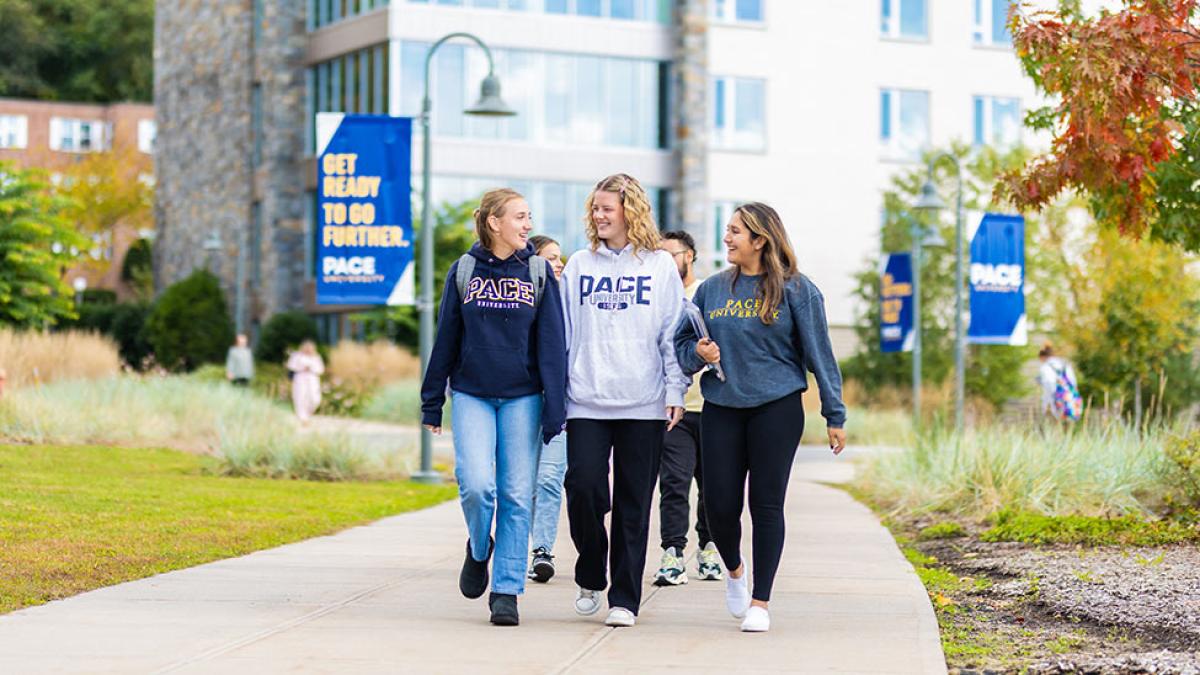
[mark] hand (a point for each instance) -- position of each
(837, 440)
(674, 414)
(708, 350)
(437, 431)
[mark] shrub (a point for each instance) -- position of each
(32, 357)
(128, 329)
(1129, 530)
(1183, 457)
(282, 332)
(190, 324)
(372, 365)
(398, 403)
(944, 530)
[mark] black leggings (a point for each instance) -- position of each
(760, 441)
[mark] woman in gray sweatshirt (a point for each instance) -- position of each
(767, 327)
(621, 301)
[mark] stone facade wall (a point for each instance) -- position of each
(208, 60)
(689, 195)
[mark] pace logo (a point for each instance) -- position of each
(505, 293)
(609, 293)
(996, 278)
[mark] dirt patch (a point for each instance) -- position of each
(1016, 608)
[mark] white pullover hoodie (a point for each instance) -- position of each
(621, 310)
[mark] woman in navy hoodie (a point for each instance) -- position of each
(500, 343)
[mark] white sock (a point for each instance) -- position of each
(757, 620)
(737, 594)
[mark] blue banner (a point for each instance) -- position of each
(896, 303)
(998, 281)
(364, 210)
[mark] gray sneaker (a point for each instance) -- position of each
(708, 568)
(670, 570)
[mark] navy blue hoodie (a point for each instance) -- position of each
(495, 343)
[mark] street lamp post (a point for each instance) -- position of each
(491, 105)
(921, 238)
(930, 201)
(80, 285)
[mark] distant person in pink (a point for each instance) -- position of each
(306, 367)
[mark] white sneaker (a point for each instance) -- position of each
(757, 620)
(620, 617)
(737, 595)
(587, 602)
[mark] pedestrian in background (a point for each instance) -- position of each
(239, 362)
(552, 462)
(306, 367)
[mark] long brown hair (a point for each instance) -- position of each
(778, 258)
(492, 204)
(639, 220)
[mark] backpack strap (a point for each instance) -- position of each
(462, 275)
(539, 267)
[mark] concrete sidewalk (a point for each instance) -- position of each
(383, 599)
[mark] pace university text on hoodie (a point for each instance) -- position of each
(621, 308)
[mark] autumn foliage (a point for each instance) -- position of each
(1117, 79)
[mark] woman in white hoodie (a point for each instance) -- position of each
(621, 301)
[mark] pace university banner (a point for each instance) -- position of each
(998, 281)
(896, 303)
(364, 210)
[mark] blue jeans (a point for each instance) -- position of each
(547, 501)
(496, 443)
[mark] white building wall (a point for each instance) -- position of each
(823, 168)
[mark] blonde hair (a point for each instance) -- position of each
(778, 258)
(639, 218)
(492, 204)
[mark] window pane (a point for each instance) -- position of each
(885, 16)
(587, 116)
(1000, 34)
(587, 7)
(556, 6)
(912, 18)
(623, 9)
(449, 65)
(1006, 121)
(749, 114)
(558, 97)
(412, 76)
(885, 115)
(914, 121)
(491, 4)
(621, 122)
(719, 103)
(749, 10)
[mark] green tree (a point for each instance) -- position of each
(32, 229)
(189, 324)
(78, 50)
(284, 331)
(993, 372)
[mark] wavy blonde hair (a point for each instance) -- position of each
(639, 217)
(778, 258)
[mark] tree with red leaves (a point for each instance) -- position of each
(1126, 120)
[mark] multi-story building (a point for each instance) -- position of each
(53, 135)
(808, 106)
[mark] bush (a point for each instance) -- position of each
(128, 329)
(369, 366)
(190, 324)
(138, 261)
(99, 296)
(1183, 456)
(283, 332)
(32, 357)
(398, 403)
(945, 530)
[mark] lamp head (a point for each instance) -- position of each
(929, 199)
(490, 104)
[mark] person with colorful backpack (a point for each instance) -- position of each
(1060, 389)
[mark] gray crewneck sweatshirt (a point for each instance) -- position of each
(763, 363)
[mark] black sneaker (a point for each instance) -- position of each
(542, 569)
(473, 580)
(504, 609)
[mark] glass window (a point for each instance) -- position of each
(739, 113)
(907, 19)
(904, 123)
(74, 135)
(736, 11)
(749, 10)
(559, 98)
(991, 23)
(556, 6)
(354, 83)
(997, 121)
(587, 7)
(14, 131)
(623, 9)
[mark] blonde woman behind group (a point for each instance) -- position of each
(306, 367)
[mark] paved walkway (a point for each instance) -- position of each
(383, 599)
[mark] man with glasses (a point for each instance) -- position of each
(681, 458)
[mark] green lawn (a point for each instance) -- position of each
(77, 518)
